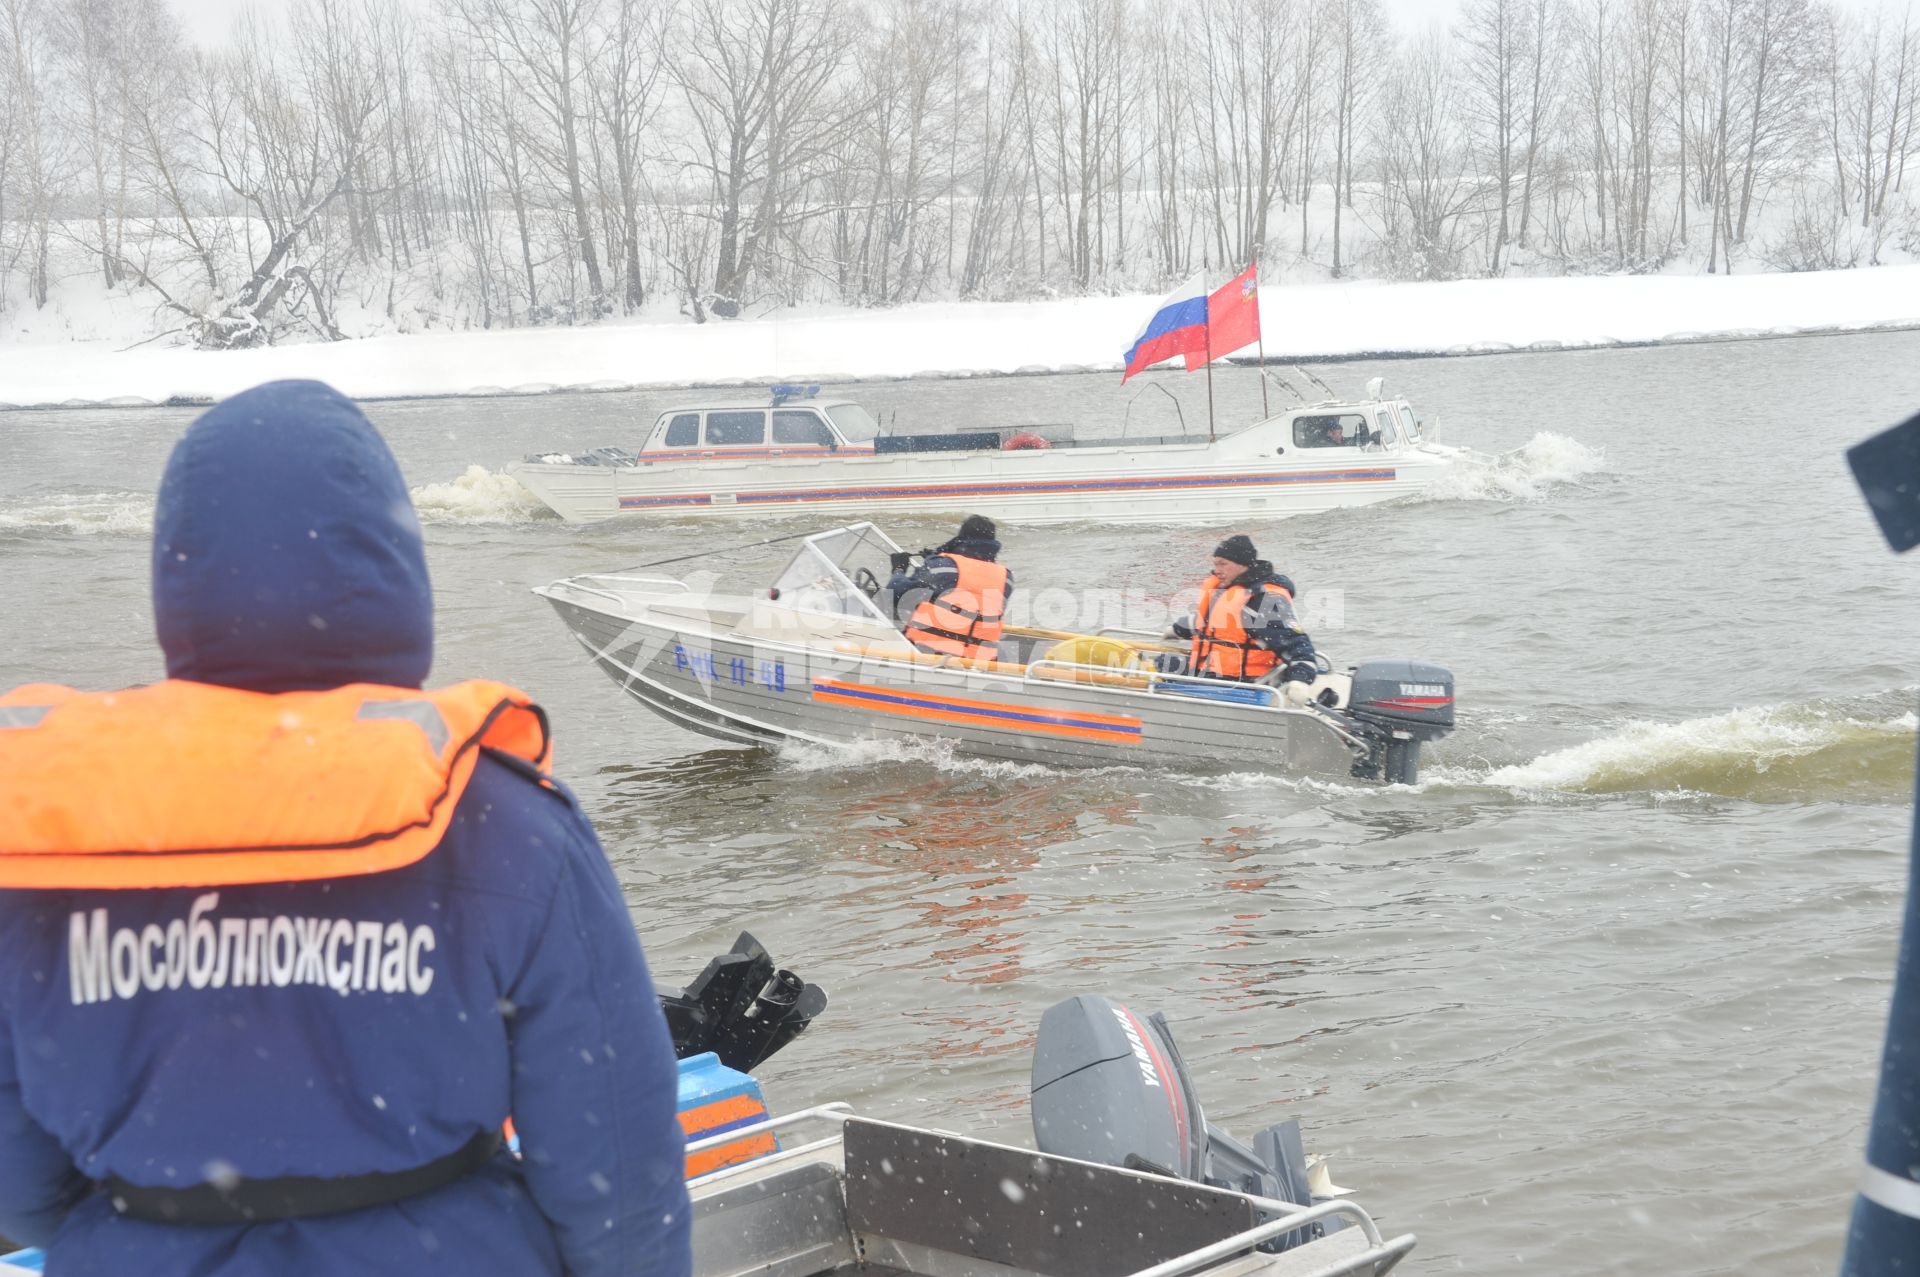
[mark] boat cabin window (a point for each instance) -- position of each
(1334, 430)
(1386, 434)
(735, 428)
(856, 424)
(683, 431)
(792, 425)
(1406, 419)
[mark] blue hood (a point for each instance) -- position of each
(286, 552)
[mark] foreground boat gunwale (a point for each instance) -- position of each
(834, 1234)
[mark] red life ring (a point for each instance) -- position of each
(1023, 441)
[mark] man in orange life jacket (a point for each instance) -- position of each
(283, 938)
(959, 594)
(1244, 627)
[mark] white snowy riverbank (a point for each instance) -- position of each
(1301, 322)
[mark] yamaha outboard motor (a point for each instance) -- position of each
(1399, 705)
(742, 1008)
(1110, 1087)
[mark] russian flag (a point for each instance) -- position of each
(1179, 327)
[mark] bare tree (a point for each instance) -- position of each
(1425, 188)
(625, 70)
(539, 47)
(1253, 112)
(35, 152)
(1776, 40)
(758, 80)
(1356, 30)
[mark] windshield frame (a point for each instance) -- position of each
(818, 578)
(863, 427)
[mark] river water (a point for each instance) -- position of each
(1603, 993)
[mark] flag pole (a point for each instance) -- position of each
(1209, 326)
(1261, 338)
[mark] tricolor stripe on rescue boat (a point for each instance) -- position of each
(1118, 729)
(921, 492)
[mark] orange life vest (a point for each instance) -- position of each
(1221, 645)
(965, 620)
(187, 784)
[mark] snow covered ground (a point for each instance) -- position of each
(1300, 321)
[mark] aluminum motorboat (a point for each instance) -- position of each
(1130, 1178)
(792, 453)
(816, 658)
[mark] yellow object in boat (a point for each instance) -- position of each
(1103, 652)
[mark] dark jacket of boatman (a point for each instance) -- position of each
(958, 595)
(231, 1031)
(1244, 628)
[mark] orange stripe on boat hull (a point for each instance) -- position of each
(1040, 720)
(710, 1119)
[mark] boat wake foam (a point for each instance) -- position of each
(1815, 751)
(1527, 473)
(112, 514)
(478, 496)
(865, 755)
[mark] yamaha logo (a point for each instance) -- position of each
(1147, 1075)
(1422, 689)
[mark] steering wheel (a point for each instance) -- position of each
(866, 582)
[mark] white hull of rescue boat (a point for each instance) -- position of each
(1246, 476)
(716, 666)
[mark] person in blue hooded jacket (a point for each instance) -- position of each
(285, 938)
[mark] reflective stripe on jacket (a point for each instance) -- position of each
(185, 784)
(964, 620)
(1222, 646)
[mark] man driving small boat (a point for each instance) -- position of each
(959, 593)
(1244, 628)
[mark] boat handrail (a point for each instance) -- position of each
(575, 583)
(1379, 1256)
(643, 578)
(837, 1112)
(1036, 671)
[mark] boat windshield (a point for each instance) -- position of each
(839, 572)
(855, 424)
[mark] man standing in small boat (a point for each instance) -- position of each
(1244, 627)
(959, 594)
(287, 936)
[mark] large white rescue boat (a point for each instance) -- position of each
(829, 457)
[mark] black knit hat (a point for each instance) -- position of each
(1237, 548)
(977, 527)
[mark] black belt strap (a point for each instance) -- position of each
(259, 1201)
(937, 631)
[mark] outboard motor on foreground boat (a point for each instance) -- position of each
(742, 1008)
(1110, 1087)
(1399, 705)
